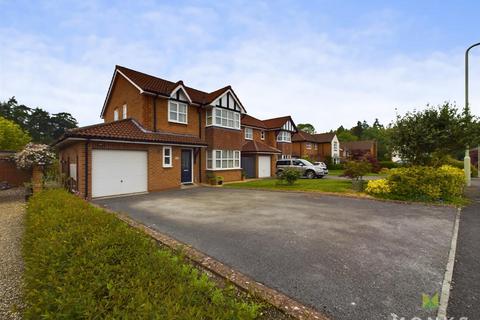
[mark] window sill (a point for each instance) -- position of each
(224, 169)
(178, 122)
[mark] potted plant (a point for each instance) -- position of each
(219, 180)
(244, 174)
(356, 170)
(211, 178)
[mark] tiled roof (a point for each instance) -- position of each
(276, 123)
(129, 130)
(164, 87)
(318, 137)
(253, 146)
(248, 120)
(358, 145)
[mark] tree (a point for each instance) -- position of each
(345, 136)
(12, 137)
(420, 136)
(43, 127)
(306, 127)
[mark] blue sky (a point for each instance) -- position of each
(323, 62)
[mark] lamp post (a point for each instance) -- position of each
(467, 153)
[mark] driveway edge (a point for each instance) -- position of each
(279, 300)
(447, 280)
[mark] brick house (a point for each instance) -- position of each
(265, 141)
(359, 149)
(160, 135)
(317, 147)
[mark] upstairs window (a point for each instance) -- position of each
(284, 136)
(115, 115)
(223, 118)
(124, 111)
(177, 112)
(249, 133)
(308, 145)
(335, 146)
(262, 135)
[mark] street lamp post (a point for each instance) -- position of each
(467, 153)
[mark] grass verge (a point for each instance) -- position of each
(312, 185)
(81, 262)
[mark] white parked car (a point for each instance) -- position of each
(323, 166)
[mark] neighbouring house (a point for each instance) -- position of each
(9, 172)
(265, 141)
(359, 149)
(158, 135)
(317, 147)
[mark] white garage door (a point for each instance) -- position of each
(117, 172)
(264, 166)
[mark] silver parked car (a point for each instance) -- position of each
(306, 168)
(322, 165)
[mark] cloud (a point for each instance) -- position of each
(277, 67)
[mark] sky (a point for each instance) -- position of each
(328, 63)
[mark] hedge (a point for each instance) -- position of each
(445, 183)
(82, 262)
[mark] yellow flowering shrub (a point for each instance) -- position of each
(378, 187)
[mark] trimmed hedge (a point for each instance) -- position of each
(445, 183)
(82, 262)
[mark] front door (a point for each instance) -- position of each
(186, 174)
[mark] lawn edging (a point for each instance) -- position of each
(279, 300)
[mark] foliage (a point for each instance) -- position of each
(12, 137)
(83, 263)
(378, 187)
(357, 169)
(420, 136)
(306, 127)
(288, 176)
(42, 126)
(34, 154)
(374, 163)
(445, 183)
(309, 185)
(346, 136)
(388, 164)
(448, 160)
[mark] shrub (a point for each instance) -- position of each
(357, 169)
(288, 176)
(388, 164)
(378, 187)
(34, 154)
(426, 183)
(83, 263)
(374, 164)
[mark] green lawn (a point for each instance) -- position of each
(340, 172)
(83, 263)
(314, 185)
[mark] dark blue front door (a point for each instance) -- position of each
(186, 166)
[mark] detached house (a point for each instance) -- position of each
(318, 147)
(158, 134)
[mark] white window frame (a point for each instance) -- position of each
(262, 135)
(284, 136)
(248, 133)
(169, 157)
(335, 146)
(177, 112)
(223, 159)
(308, 146)
(115, 115)
(124, 111)
(316, 146)
(220, 117)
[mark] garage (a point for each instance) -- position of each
(264, 167)
(116, 172)
(248, 166)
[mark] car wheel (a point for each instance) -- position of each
(310, 174)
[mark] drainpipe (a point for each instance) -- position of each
(200, 153)
(86, 169)
(155, 112)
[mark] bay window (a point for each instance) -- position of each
(223, 118)
(177, 112)
(223, 159)
(284, 136)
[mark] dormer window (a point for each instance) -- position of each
(177, 112)
(249, 133)
(284, 136)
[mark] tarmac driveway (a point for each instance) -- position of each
(350, 258)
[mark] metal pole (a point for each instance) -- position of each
(467, 170)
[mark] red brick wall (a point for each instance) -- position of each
(223, 139)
